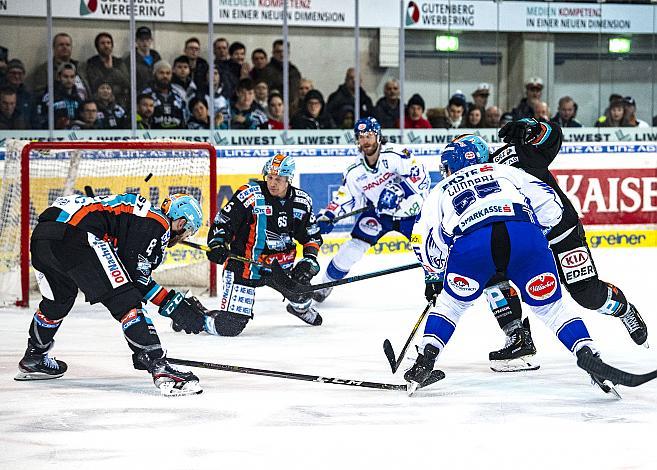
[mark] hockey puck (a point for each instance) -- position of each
(148, 177)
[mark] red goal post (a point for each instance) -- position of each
(50, 169)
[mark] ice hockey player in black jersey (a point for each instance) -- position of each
(532, 146)
(107, 247)
(261, 223)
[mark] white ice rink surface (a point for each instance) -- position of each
(104, 414)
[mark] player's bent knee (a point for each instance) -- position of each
(56, 310)
(122, 300)
(590, 294)
(224, 323)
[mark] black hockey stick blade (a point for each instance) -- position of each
(287, 375)
(594, 365)
(89, 191)
(390, 354)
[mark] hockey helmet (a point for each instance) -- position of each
(458, 155)
(280, 165)
(367, 125)
(184, 206)
(480, 143)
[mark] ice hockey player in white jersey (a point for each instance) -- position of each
(388, 179)
(484, 219)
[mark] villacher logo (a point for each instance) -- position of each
(88, 7)
(412, 13)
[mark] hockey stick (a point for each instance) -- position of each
(594, 365)
(349, 214)
(390, 352)
(207, 249)
(287, 375)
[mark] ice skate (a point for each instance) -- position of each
(321, 294)
(518, 352)
(170, 381)
(586, 355)
(422, 369)
(36, 364)
(309, 315)
(635, 326)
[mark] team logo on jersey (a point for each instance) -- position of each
(462, 285)
(379, 181)
(542, 286)
(266, 210)
(576, 265)
(370, 226)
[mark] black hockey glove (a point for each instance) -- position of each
(218, 248)
(305, 270)
(186, 313)
(521, 132)
(431, 291)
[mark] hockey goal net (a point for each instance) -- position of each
(36, 173)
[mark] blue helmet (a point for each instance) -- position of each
(480, 143)
(458, 155)
(280, 165)
(365, 125)
(184, 206)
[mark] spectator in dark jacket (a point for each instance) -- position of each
(16, 81)
(87, 117)
(345, 95)
(169, 105)
(198, 66)
(10, 115)
(200, 118)
(259, 62)
(386, 110)
(145, 111)
(105, 68)
(245, 113)
(312, 114)
(273, 73)
(450, 117)
(566, 113)
(533, 92)
(110, 114)
(66, 99)
(146, 57)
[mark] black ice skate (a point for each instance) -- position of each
(421, 371)
(310, 315)
(635, 325)
(170, 381)
(321, 294)
(38, 365)
(518, 352)
(587, 360)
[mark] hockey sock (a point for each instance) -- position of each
(42, 330)
(573, 334)
(139, 332)
(615, 304)
(348, 255)
(504, 302)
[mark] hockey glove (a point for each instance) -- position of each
(325, 222)
(521, 132)
(431, 291)
(186, 313)
(218, 249)
(305, 270)
(390, 198)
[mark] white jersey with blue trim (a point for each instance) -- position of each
(362, 184)
(475, 196)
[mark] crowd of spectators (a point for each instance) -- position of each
(95, 94)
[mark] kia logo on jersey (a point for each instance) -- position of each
(575, 258)
(542, 286)
(462, 285)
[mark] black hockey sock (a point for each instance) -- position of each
(139, 332)
(42, 330)
(504, 302)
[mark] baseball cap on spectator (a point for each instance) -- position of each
(144, 32)
(458, 99)
(534, 82)
(15, 64)
(482, 89)
(416, 99)
(629, 100)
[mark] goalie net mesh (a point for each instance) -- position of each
(62, 168)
